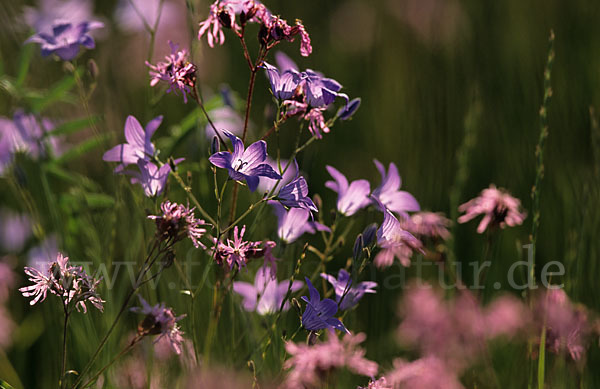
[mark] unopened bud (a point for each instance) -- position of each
(215, 145)
(358, 247)
(346, 112)
(93, 69)
(369, 234)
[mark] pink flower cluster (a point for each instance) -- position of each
(177, 222)
(71, 283)
(456, 331)
(237, 251)
(309, 364)
(497, 206)
(177, 71)
(234, 14)
(161, 321)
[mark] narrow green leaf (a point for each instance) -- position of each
(24, 62)
(99, 200)
(71, 177)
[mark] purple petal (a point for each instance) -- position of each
(134, 133)
(221, 159)
(341, 183)
(248, 292)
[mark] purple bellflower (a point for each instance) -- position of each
(43, 16)
(320, 91)
(245, 164)
(266, 295)
(351, 197)
(319, 313)
(294, 223)
(65, 39)
(284, 84)
(152, 178)
(388, 192)
(346, 295)
(138, 146)
(394, 241)
(295, 195)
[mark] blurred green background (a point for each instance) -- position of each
(428, 71)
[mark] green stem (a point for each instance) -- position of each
(191, 196)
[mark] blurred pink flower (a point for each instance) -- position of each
(381, 383)
(567, 325)
(456, 331)
(497, 206)
(160, 321)
(431, 225)
(309, 363)
(425, 373)
(15, 229)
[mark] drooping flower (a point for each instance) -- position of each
(71, 283)
(152, 178)
(346, 112)
(395, 242)
(138, 146)
(294, 223)
(266, 295)
(310, 364)
(178, 221)
(497, 206)
(177, 71)
(245, 164)
(284, 84)
(65, 38)
(15, 229)
(567, 325)
(236, 251)
(319, 313)
(389, 193)
(319, 90)
(295, 195)
(351, 197)
(347, 295)
(161, 321)
(431, 225)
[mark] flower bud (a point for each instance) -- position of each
(215, 145)
(369, 234)
(93, 69)
(346, 112)
(358, 247)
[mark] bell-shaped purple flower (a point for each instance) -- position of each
(351, 197)
(294, 223)
(395, 242)
(138, 146)
(347, 295)
(152, 178)
(320, 91)
(388, 192)
(295, 195)
(319, 313)
(266, 295)
(65, 39)
(245, 164)
(283, 83)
